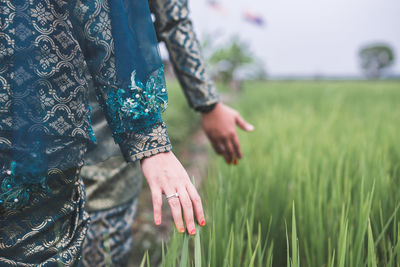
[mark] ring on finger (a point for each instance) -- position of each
(221, 148)
(173, 195)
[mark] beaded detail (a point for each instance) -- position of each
(20, 180)
(140, 103)
(91, 133)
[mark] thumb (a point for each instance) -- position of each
(243, 124)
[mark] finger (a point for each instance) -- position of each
(156, 197)
(219, 148)
(196, 202)
(236, 146)
(229, 151)
(187, 207)
(243, 124)
(176, 209)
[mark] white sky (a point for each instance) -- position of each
(305, 37)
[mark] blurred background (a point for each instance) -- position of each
(320, 179)
(301, 38)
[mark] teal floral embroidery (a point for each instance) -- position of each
(20, 180)
(141, 102)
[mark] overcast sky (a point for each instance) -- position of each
(305, 37)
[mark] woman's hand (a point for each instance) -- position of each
(166, 175)
(220, 127)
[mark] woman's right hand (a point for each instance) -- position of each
(166, 175)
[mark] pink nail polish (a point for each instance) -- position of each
(203, 222)
(193, 232)
(157, 222)
(182, 230)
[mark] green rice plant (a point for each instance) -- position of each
(325, 157)
(293, 261)
(145, 261)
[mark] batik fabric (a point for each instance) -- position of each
(47, 50)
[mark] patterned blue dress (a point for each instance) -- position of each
(46, 59)
(112, 185)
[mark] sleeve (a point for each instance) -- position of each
(132, 108)
(174, 27)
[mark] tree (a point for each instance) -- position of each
(229, 58)
(375, 58)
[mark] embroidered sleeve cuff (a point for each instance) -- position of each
(207, 108)
(134, 115)
(140, 104)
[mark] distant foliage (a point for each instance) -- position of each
(232, 61)
(230, 57)
(375, 59)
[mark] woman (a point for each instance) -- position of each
(45, 54)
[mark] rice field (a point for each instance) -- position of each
(319, 184)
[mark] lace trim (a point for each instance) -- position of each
(20, 180)
(24, 169)
(151, 152)
(127, 107)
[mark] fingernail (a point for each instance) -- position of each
(193, 232)
(203, 222)
(182, 230)
(250, 127)
(235, 162)
(157, 222)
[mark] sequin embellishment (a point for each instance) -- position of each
(18, 182)
(137, 104)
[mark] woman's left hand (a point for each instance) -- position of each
(220, 128)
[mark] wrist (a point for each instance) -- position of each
(207, 109)
(156, 156)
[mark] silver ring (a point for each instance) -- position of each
(173, 195)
